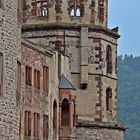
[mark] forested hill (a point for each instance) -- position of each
(129, 95)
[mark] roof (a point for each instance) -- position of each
(64, 83)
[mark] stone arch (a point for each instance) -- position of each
(65, 111)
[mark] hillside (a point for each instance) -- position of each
(129, 95)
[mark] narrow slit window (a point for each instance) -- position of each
(45, 78)
(18, 77)
(1, 73)
(101, 10)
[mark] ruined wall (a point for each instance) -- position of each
(99, 134)
(9, 43)
(59, 11)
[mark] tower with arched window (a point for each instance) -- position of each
(78, 29)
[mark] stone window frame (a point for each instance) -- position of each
(45, 126)
(36, 125)
(75, 9)
(28, 75)
(109, 67)
(46, 79)
(101, 12)
(27, 122)
(109, 106)
(41, 11)
(65, 112)
(37, 79)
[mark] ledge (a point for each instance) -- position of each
(49, 26)
(103, 125)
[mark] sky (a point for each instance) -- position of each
(126, 15)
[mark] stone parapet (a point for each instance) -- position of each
(90, 130)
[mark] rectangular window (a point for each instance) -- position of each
(45, 78)
(18, 77)
(1, 73)
(45, 126)
(27, 120)
(28, 76)
(37, 79)
(36, 124)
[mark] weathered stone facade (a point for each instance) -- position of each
(10, 35)
(58, 74)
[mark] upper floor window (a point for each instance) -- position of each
(45, 78)
(28, 77)
(101, 10)
(40, 8)
(109, 60)
(76, 8)
(37, 79)
(75, 12)
(1, 73)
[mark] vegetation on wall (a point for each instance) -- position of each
(129, 95)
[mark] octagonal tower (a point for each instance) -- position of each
(78, 28)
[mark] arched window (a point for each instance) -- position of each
(41, 8)
(109, 60)
(75, 8)
(109, 99)
(101, 10)
(65, 113)
(43, 11)
(75, 11)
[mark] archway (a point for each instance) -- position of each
(65, 113)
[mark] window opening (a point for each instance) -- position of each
(65, 113)
(37, 79)
(109, 60)
(28, 76)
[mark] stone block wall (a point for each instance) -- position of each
(94, 133)
(87, 53)
(9, 44)
(60, 12)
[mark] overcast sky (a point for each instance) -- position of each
(126, 15)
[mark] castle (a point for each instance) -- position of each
(58, 77)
